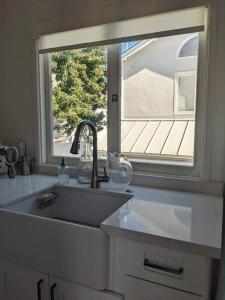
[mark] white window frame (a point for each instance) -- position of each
(150, 166)
(179, 75)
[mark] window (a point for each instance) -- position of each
(153, 95)
(186, 75)
(189, 48)
(185, 93)
(137, 91)
(78, 88)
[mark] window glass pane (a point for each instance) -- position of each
(79, 80)
(186, 87)
(190, 48)
(128, 45)
(154, 125)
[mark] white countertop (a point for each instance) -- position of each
(187, 221)
(13, 190)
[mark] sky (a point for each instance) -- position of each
(127, 45)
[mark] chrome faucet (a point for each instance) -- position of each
(95, 178)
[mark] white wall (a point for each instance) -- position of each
(148, 78)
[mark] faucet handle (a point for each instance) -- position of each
(105, 173)
(103, 178)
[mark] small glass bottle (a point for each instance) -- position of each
(63, 172)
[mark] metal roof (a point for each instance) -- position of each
(155, 137)
(163, 138)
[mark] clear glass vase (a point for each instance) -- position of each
(84, 171)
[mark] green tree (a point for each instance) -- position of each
(79, 87)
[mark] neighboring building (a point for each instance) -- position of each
(158, 98)
(159, 78)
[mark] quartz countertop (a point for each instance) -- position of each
(183, 220)
(20, 187)
(189, 222)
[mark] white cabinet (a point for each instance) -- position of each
(19, 283)
(64, 290)
(138, 271)
(143, 290)
(143, 271)
(24, 284)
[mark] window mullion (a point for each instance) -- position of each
(49, 113)
(114, 98)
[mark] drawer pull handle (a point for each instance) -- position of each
(39, 283)
(176, 271)
(53, 291)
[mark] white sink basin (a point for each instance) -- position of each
(87, 207)
(63, 239)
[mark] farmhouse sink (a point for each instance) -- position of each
(87, 207)
(64, 239)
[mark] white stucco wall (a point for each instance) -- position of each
(148, 89)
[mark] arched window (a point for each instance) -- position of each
(189, 47)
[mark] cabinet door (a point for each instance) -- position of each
(24, 284)
(64, 290)
(144, 290)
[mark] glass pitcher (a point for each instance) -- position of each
(120, 169)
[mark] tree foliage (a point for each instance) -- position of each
(79, 87)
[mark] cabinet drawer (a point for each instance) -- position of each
(142, 290)
(170, 268)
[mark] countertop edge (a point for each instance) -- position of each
(175, 244)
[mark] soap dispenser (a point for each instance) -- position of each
(63, 172)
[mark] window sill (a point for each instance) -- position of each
(180, 183)
(161, 162)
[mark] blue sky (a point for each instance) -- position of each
(127, 45)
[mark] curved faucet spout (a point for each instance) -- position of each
(75, 145)
(96, 179)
